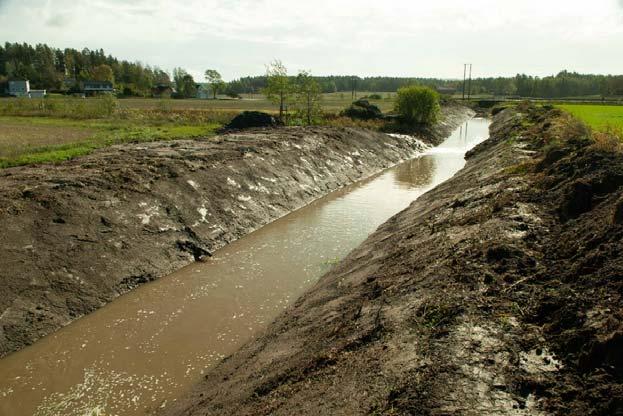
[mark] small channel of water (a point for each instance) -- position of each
(147, 347)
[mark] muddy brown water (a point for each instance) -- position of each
(143, 350)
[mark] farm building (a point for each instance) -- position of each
(446, 90)
(162, 91)
(97, 87)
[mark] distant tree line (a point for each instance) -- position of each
(564, 84)
(63, 69)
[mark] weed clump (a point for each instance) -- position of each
(362, 110)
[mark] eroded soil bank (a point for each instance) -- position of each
(497, 293)
(77, 235)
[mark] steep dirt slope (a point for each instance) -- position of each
(76, 235)
(497, 293)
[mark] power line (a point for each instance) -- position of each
(464, 75)
(469, 85)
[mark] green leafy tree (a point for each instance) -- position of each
(103, 72)
(215, 81)
(161, 77)
(418, 105)
(178, 78)
(308, 96)
(185, 83)
(234, 89)
(278, 87)
(189, 87)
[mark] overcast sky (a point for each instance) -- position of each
(363, 37)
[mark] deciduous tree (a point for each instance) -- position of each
(215, 80)
(278, 86)
(308, 95)
(103, 72)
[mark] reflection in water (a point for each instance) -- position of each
(415, 173)
(144, 349)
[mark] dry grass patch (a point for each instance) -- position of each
(18, 138)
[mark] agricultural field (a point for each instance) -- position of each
(599, 117)
(331, 103)
(28, 140)
(59, 128)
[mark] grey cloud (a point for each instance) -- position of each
(121, 7)
(57, 20)
(147, 12)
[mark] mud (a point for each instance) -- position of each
(497, 293)
(78, 234)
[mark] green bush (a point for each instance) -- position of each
(418, 105)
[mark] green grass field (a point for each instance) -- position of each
(599, 117)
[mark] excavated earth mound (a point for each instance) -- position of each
(250, 119)
(497, 293)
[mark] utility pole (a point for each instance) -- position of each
(464, 75)
(469, 85)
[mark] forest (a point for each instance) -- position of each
(61, 70)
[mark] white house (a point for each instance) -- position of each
(22, 89)
(19, 88)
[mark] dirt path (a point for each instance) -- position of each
(77, 235)
(497, 293)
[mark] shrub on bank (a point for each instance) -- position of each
(417, 105)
